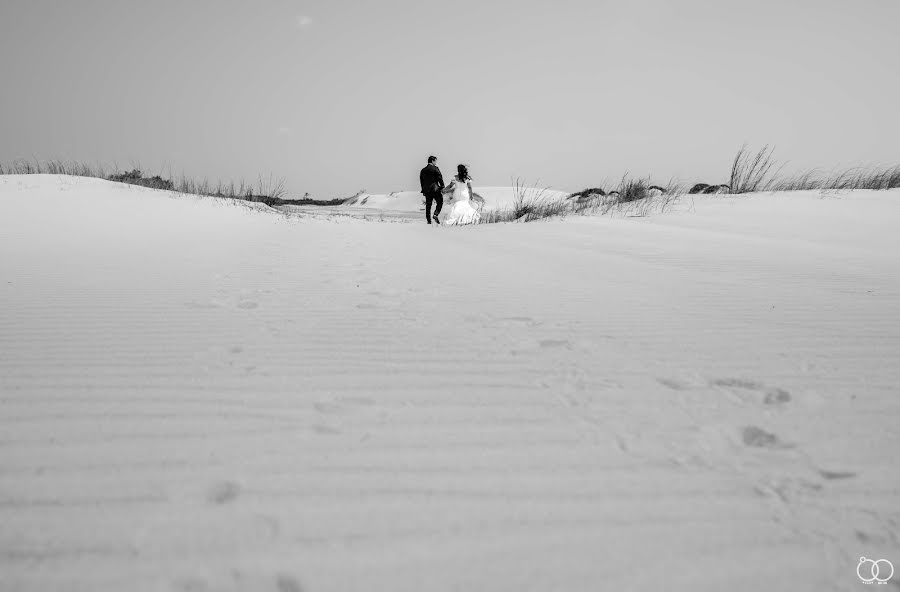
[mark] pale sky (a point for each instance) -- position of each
(337, 96)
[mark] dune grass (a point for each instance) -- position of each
(531, 203)
(639, 197)
(879, 178)
(53, 167)
(631, 197)
(265, 190)
(750, 172)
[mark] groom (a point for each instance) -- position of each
(432, 183)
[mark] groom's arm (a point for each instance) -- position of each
(440, 179)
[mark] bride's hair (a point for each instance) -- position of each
(462, 172)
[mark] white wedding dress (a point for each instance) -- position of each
(462, 208)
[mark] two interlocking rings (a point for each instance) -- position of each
(874, 570)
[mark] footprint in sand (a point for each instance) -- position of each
(675, 385)
(191, 585)
(756, 437)
(248, 305)
(873, 538)
(223, 492)
(286, 583)
(340, 406)
(233, 580)
(327, 407)
(750, 385)
(740, 387)
(530, 346)
(788, 489)
(776, 396)
(833, 475)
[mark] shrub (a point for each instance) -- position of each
(135, 177)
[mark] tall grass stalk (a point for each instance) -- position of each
(752, 172)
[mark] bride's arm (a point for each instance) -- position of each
(449, 188)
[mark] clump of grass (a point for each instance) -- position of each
(752, 172)
(531, 203)
(136, 177)
(632, 190)
(266, 190)
(632, 197)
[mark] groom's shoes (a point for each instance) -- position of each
(436, 221)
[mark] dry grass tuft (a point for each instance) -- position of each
(752, 172)
(531, 203)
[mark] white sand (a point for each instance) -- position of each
(197, 395)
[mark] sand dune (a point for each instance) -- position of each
(202, 395)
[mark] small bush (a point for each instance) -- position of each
(135, 177)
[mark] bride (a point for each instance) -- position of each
(463, 207)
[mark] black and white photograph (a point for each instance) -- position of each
(470, 296)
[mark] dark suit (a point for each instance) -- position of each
(432, 183)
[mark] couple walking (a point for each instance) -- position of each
(463, 209)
